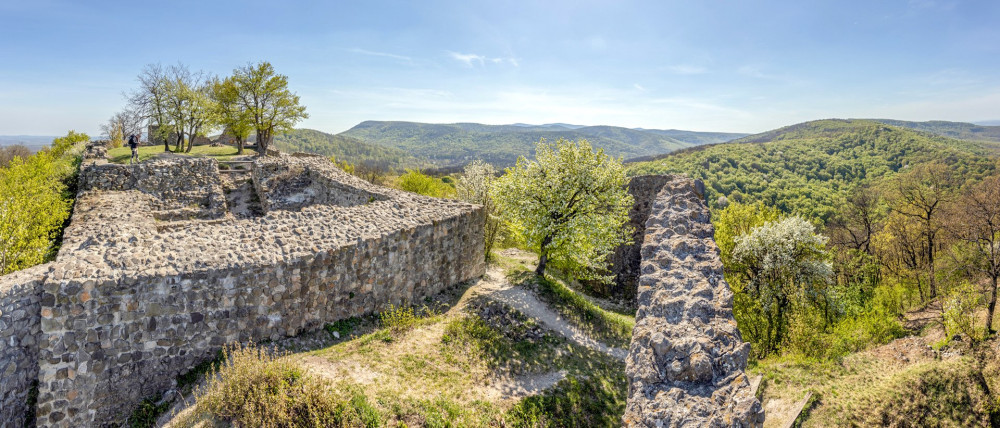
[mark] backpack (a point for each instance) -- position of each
(132, 140)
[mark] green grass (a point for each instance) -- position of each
(869, 390)
(123, 154)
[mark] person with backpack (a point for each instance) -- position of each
(133, 143)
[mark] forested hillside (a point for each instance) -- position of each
(807, 168)
(461, 143)
(959, 130)
(346, 149)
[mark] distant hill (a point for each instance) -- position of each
(806, 168)
(460, 143)
(346, 149)
(959, 130)
(33, 142)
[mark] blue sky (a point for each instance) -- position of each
(745, 66)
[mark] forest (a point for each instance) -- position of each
(830, 230)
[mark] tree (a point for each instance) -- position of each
(268, 101)
(978, 224)
(122, 124)
(230, 112)
(475, 186)
(31, 209)
(188, 106)
(922, 194)
(570, 204)
(779, 263)
(151, 101)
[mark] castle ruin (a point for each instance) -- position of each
(158, 270)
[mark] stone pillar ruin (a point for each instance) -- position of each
(686, 362)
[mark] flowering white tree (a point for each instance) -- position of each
(570, 204)
(474, 186)
(780, 263)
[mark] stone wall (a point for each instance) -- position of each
(19, 331)
(686, 362)
(131, 303)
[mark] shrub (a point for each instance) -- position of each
(398, 318)
(959, 311)
(417, 182)
(257, 387)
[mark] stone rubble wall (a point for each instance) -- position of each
(283, 186)
(686, 362)
(181, 187)
(19, 330)
(130, 304)
(626, 258)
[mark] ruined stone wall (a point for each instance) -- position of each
(686, 362)
(281, 186)
(130, 303)
(181, 187)
(19, 331)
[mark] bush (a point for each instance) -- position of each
(398, 318)
(255, 387)
(960, 311)
(417, 182)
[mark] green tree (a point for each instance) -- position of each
(475, 186)
(267, 100)
(230, 112)
(570, 204)
(31, 208)
(778, 265)
(736, 220)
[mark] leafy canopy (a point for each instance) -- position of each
(570, 204)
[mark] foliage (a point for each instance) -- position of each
(475, 186)
(398, 318)
(501, 145)
(122, 124)
(34, 202)
(736, 220)
(230, 112)
(806, 169)
(417, 182)
(343, 327)
(346, 149)
(777, 267)
(267, 100)
(960, 311)
(145, 415)
(570, 205)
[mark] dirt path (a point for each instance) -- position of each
(495, 286)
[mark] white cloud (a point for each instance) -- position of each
(471, 60)
(639, 87)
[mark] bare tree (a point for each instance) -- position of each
(124, 123)
(976, 220)
(150, 101)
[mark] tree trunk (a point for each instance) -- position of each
(166, 143)
(991, 307)
(239, 146)
(932, 289)
(180, 141)
(543, 256)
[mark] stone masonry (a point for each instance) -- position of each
(686, 362)
(155, 275)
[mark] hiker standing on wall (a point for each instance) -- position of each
(133, 143)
